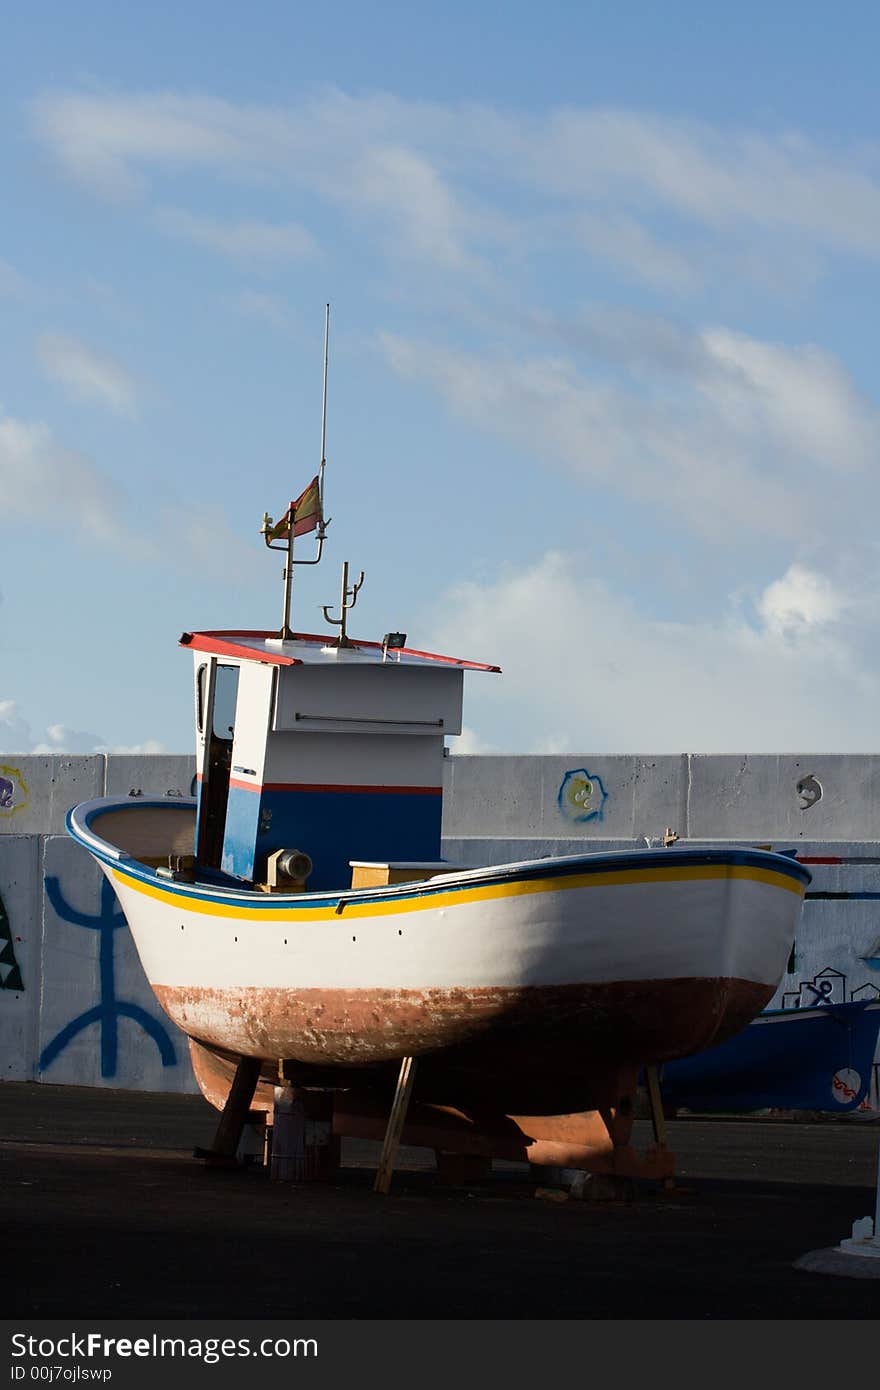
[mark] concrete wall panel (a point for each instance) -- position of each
(572, 797)
(660, 796)
(155, 774)
(804, 797)
(491, 796)
(100, 1024)
(19, 955)
(43, 789)
(480, 852)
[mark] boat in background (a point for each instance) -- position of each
(297, 915)
(817, 1058)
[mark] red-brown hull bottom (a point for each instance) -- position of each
(540, 1050)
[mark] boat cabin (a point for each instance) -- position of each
(312, 750)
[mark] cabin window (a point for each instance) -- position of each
(201, 682)
(225, 696)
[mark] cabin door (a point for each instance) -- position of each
(221, 698)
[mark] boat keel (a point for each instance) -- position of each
(465, 1140)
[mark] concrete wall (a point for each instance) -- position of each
(75, 1006)
(730, 797)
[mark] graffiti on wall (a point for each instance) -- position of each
(582, 796)
(829, 986)
(109, 1010)
(13, 791)
(10, 975)
(809, 789)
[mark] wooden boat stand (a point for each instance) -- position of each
(224, 1150)
(597, 1142)
(396, 1121)
(309, 1125)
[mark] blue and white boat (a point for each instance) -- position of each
(815, 1058)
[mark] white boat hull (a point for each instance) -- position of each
(632, 956)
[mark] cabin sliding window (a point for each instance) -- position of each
(201, 685)
(225, 696)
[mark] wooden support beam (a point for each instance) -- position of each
(222, 1153)
(658, 1119)
(396, 1122)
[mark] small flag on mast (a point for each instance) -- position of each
(304, 513)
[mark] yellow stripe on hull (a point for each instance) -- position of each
(453, 897)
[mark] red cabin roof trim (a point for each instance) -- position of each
(220, 645)
(223, 643)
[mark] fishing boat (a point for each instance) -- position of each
(297, 912)
(817, 1058)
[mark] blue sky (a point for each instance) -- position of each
(603, 397)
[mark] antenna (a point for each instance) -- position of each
(324, 411)
(347, 601)
(305, 514)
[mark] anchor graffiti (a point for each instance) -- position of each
(110, 1009)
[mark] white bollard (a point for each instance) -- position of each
(303, 1145)
(288, 1136)
(865, 1238)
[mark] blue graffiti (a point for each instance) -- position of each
(110, 1009)
(582, 796)
(7, 791)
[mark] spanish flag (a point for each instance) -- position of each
(304, 513)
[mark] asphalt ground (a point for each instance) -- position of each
(105, 1213)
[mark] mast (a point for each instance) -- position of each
(286, 632)
(324, 410)
(273, 530)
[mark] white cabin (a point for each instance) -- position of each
(333, 751)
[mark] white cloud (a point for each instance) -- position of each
(250, 241)
(16, 737)
(626, 243)
(42, 481)
(86, 373)
(800, 603)
(12, 284)
(468, 742)
(449, 179)
(712, 175)
(800, 395)
(99, 140)
(733, 437)
(59, 739)
(418, 204)
(150, 745)
(585, 661)
(15, 733)
(266, 307)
